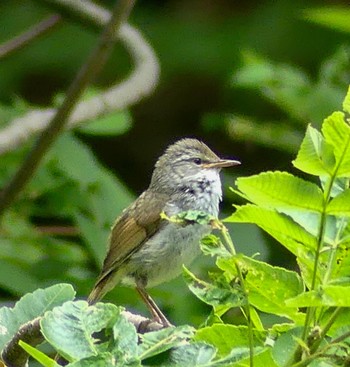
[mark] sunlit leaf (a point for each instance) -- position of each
(39, 356)
(340, 205)
(281, 191)
(328, 295)
(226, 337)
(268, 286)
(315, 156)
(337, 133)
(279, 226)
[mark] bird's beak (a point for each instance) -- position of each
(222, 163)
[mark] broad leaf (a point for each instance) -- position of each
(102, 360)
(217, 294)
(69, 328)
(125, 337)
(340, 205)
(156, 342)
(315, 156)
(203, 355)
(268, 286)
(279, 226)
(31, 306)
(281, 191)
(328, 295)
(337, 133)
(226, 337)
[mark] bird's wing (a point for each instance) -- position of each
(135, 226)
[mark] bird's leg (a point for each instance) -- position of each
(152, 306)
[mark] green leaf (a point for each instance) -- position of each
(69, 328)
(94, 237)
(22, 280)
(116, 123)
(281, 191)
(156, 342)
(194, 354)
(268, 286)
(102, 360)
(202, 354)
(218, 294)
(315, 156)
(346, 102)
(328, 295)
(337, 133)
(279, 226)
(38, 355)
(335, 17)
(125, 337)
(212, 245)
(75, 160)
(226, 337)
(285, 346)
(340, 205)
(31, 306)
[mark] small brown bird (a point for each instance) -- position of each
(145, 250)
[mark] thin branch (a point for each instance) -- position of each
(13, 355)
(33, 33)
(86, 74)
(139, 84)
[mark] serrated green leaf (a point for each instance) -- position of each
(337, 133)
(328, 295)
(315, 156)
(69, 328)
(156, 342)
(116, 123)
(279, 226)
(226, 337)
(39, 356)
(281, 191)
(340, 205)
(214, 294)
(31, 306)
(268, 286)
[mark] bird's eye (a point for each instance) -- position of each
(197, 161)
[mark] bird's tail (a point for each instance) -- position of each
(101, 287)
(104, 284)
